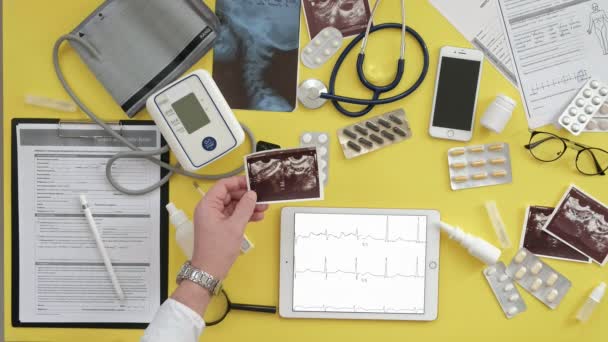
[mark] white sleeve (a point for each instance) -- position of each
(174, 322)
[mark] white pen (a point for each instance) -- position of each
(102, 249)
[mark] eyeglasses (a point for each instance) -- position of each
(548, 147)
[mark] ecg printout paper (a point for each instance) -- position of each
(557, 46)
(62, 276)
(359, 263)
(480, 23)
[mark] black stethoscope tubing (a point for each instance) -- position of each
(377, 90)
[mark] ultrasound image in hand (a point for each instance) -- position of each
(284, 175)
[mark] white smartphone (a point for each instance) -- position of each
(456, 88)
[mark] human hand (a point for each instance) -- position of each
(220, 219)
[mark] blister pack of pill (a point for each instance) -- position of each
(584, 106)
(479, 165)
(375, 133)
(504, 289)
(321, 141)
(599, 123)
(538, 278)
(322, 47)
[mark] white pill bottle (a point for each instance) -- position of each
(498, 113)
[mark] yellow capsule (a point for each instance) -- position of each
(480, 176)
(496, 147)
(476, 149)
(457, 152)
(460, 179)
(499, 173)
(478, 163)
(459, 165)
(498, 161)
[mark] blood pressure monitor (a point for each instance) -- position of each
(195, 119)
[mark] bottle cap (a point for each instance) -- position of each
(176, 216)
(598, 292)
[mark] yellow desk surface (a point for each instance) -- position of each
(412, 174)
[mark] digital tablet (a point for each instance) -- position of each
(343, 263)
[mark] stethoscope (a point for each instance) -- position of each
(313, 94)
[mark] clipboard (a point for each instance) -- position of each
(15, 269)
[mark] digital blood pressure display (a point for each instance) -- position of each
(195, 119)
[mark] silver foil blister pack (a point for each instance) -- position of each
(479, 165)
(320, 140)
(538, 278)
(375, 133)
(505, 290)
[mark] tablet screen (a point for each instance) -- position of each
(359, 263)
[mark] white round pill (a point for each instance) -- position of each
(503, 278)
(520, 256)
(596, 101)
(335, 43)
(521, 273)
(509, 287)
(318, 60)
(322, 151)
(604, 91)
(308, 50)
(592, 125)
(327, 52)
(566, 120)
(490, 271)
(604, 109)
(573, 111)
(317, 42)
(512, 311)
(552, 295)
(603, 125)
(326, 33)
(536, 284)
(576, 127)
(583, 118)
(552, 279)
(589, 110)
(536, 267)
(322, 138)
(514, 297)
(322, 164)
(580, 102)
(307, 138)
(587, 93)
(594, 84)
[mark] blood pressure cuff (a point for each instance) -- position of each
(144, 45)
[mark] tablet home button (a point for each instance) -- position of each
(432, 265)
(450, 133)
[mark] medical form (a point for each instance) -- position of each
(479, 23)
(62, 277)
(557, 46)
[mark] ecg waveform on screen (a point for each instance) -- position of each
(357, 273)
(361, 237)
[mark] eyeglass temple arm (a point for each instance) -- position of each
(536, 143)
(597, 164)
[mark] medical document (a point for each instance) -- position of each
(61, 273)
(557, 46)
(480, 23)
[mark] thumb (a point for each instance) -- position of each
(244, 209)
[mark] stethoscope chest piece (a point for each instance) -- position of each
(309, 93)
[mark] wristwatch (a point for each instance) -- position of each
(199, 277)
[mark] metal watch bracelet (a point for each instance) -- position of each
(199, 277)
